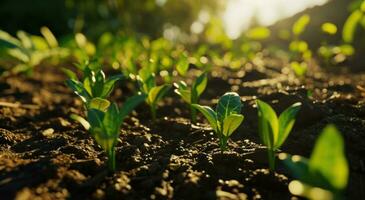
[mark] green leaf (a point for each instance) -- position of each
(349, 28)
(183, 91)
(328, 158)
(109, 85)
(258, 33)
(229, 103)
(209, 114)
(95, 118)
(99, 103)
(111, 121)
(231, 123)
(183, 65)
(268, 124)
(286, 123)
(78, 88)
(49, 37)
(81, 120)
(156, 93)
(300, 25)
(199, 86)
(10, 40)
(70, 74)
(130, 104)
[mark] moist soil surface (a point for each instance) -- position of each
(46, 155)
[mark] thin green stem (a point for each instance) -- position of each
(153, 113)
(223, 143)
(271, 155)
(193, 114)
(111, 159)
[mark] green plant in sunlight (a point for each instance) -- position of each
(329, 28)
(299, 49)
(147, 85)
(325, 174)
(30, 50)
(274, 130)
(299, 68)
(93, 85)
(226, 118)
(104, 122)
(191, 95)
(355, 19)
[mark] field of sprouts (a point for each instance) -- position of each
(132, 116)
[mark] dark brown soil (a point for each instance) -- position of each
(43, 153)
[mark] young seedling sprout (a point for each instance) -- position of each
(104, 124)
(147, 85)
(325, 173)
(93, 85)
(226, 119)
(192, 95)
(273, 131)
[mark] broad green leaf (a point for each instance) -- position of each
(95, 118)
(183, 65)
(231, 123)
(199, 86)
(286, 123)
(88, 86)
(300, 25)
(111, 121)
(297, 165)
(97, 85)
(209, 114)
(156, 93)
(99, 103)
(349, 28)
(130, 104)
(229, 103)
(109, 85)
(328, 158)
(268, 124)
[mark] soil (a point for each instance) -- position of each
(46, 155)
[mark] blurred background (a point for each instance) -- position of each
(192, 21)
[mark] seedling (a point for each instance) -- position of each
(30, 50)
(192, 95)
(147, 85)
(325, 173)
(104, 124)
(93, 84)
(273, 131)
(226, 119)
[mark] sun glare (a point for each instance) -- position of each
(240, 14)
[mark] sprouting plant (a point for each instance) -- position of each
(273, 131)
(147, 85)
(226, 118)
(93, 84)
(325, 173)
(30, 50)
(192, 95)
(103, 122)
(300, 52)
